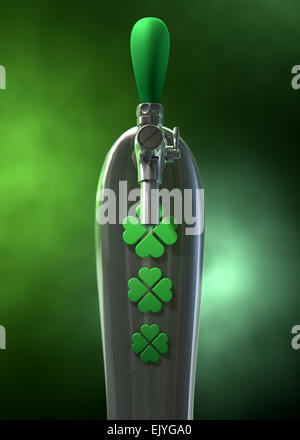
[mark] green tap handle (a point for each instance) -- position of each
(150, 46)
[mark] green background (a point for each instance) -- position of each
(70, 94)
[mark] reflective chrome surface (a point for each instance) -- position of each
(152, 154)
(136, 390)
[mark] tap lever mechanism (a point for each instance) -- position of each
(151, 154)
(150, 46)
(173, 151)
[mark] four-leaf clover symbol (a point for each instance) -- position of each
(150, 343)
(149, 290)
(149, 293)
(149, 240)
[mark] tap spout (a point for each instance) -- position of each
(152, 153)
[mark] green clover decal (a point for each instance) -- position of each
(150, 343)
(149, 241)
(150, 298)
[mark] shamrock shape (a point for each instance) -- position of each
(150, 343)
(133, 230)
(149, 241)
(150, 298)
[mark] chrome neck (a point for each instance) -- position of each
(152, 153)
(150, 113)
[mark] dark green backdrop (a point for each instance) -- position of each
(70, 94)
